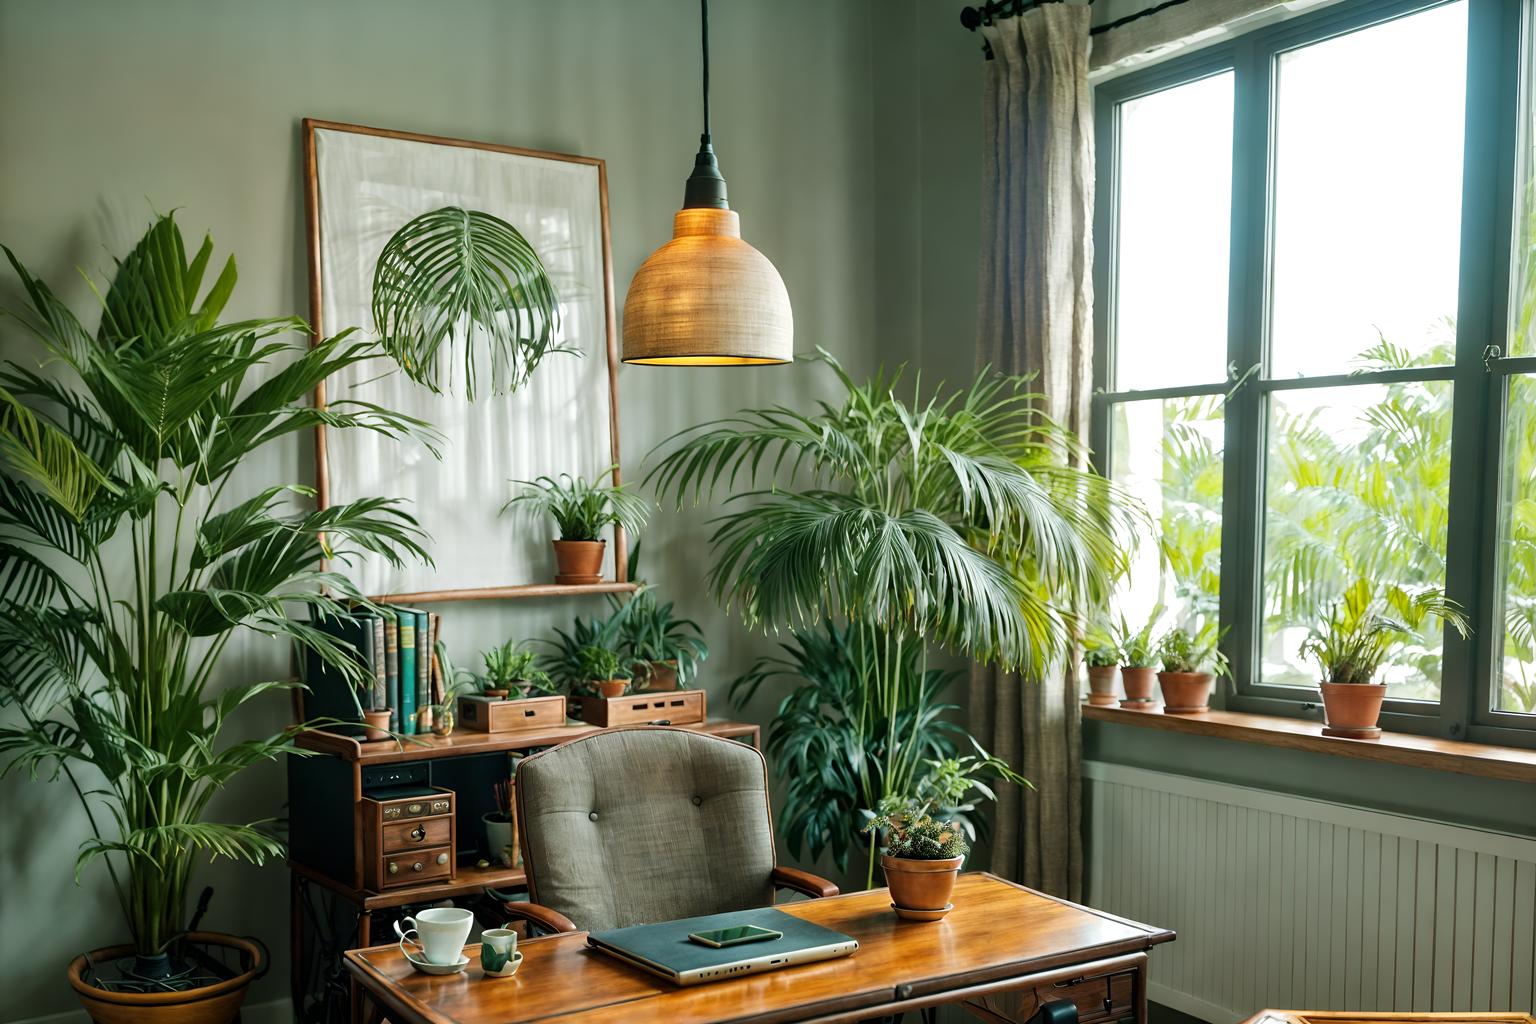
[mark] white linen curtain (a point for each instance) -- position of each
(1036, 307)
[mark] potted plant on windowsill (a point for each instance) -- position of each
(1191, 662)
(921, 859)
(665, 651)
(126, 575)
(603, 671)
(1101, 655)
(581, 509)
(1138, 662)
(1362, 629)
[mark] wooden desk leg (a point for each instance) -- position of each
(1140, 987)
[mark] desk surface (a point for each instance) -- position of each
(997, 930)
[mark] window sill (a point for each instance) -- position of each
(1479, 759)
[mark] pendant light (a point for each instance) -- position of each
(707, 298)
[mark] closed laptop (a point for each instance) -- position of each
(666, 950)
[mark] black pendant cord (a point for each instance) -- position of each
(996, 10)
(705, 187)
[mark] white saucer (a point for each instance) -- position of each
(510, 969)
(426, 968)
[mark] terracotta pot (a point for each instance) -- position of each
(923, 885)
(1138, 683)
(612, 687)
(1186, 693)
(662, 676)
(378, 726)
(213, 1004)
(1101, 685)
(579, 561)
(1353, 709)
(498, 694)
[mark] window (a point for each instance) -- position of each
(1303, 371)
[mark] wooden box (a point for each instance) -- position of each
(674, 707)
(408, 836)
(491, 714)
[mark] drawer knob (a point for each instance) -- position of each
(414, 808)
(442, 858)
(418, 866)
(394, 868)
(418, 833)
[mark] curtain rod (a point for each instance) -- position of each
(993, 10)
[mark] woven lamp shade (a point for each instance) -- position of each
(707, 298)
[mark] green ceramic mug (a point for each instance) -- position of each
(498, 948)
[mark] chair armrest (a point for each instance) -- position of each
(811, 885)
(551, 921)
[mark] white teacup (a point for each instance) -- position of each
(440, 932)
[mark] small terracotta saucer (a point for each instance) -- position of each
(921, 915)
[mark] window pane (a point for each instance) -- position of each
(1357, 489)
(1517, 689)
(1367, 231)
(1168, 455)
(1175, 212)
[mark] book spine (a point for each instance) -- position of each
(392, 670)
(435, 621)
(380, 701)
(424, 667)
(407, 672)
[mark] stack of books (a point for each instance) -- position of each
(398, 645)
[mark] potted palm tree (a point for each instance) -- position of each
(1138, 661)
(1191, 660)
(581, 509)
(1361, 631)
(133, 552)
(1101, 655)
(959, 520)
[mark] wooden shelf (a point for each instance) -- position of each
(503, 593)
(470, 880)
(462, 742)
(1480, 759)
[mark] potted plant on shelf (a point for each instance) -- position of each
(1361, 630)
(665, 651)
(501, 827)
(131, 558)
(511, 668)
(1101, 654)
(602, 671)
(581, 510)
(921, 858)
(1191, 662)
(1138, 662)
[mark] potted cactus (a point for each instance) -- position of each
(1362, 629)
(1191, 662)
(921, 860)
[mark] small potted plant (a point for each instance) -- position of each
(1138, 662)
(456, 682)
(665, 651)
(581, 510)
(1361, 630)
(510, 668)
(603, 671)
(1191, 662)
(921, 860)
(1101, 654)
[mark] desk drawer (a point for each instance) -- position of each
(412, 867)
(411, 835)
(1101, 999)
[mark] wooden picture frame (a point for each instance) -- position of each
(460, 582)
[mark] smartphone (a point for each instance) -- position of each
(722, 937)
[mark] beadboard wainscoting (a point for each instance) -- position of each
(1281, 901)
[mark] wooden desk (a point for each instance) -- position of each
(1000, 944)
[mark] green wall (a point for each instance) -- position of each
(112, 110)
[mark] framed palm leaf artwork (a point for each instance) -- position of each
(412, 239)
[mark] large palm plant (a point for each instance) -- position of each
(127, 564)
(961, 521)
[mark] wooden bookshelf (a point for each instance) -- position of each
(521, 590)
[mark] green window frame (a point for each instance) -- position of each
(1479, 378)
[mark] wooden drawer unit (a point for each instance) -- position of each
(1099, 1000)
(409, 836)
(676, 707)
(485, 714)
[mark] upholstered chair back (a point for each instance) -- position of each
(630, 826)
